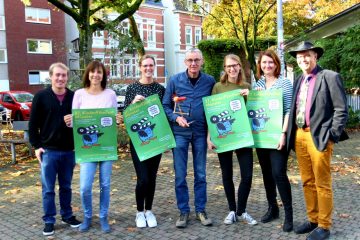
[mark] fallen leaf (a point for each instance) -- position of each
(131, 229)
(18, 173)
(13, 191)
(13, 200)
(2, 206)
(344, 215)
(218, 188)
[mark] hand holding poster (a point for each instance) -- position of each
(265, 111)
(148, 128)
(95, 134)
(227, 121)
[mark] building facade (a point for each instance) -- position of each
(34, 39)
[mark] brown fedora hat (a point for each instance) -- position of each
(305, 46)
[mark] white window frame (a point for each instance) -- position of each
(2, 22)
(43, 76)
(189, 5)
(37, 10)
(125, 27)
(5, 56)
(151, 33)
(188, 33)
(98, 39)
(207, 8)
(39, 42)
(141, 29)
(197, 35)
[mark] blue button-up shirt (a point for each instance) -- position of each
(192, 108)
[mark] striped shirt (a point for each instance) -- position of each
(283, 84)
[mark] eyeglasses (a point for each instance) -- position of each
(150, 65)
(196, 60)
(231, 66)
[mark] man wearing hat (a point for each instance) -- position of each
(317, 119)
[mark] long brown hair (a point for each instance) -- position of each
(241, 77)
(92, 67)
(271, 54)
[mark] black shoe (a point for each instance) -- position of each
(288, 225)
(319, 234)
(72, 222)
(48, 229)
(306, 227)
(271, 214)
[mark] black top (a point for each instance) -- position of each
(47, 128)
(145, 90)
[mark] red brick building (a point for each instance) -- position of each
(35, 38)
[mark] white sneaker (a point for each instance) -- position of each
(150, 219)
(231, 218)
(245, 217)
(140, 220)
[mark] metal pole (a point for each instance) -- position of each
(280, 35)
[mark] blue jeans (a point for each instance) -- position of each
(60, 163)
(87, 174)
(180, 154)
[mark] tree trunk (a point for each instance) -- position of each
(135, 35)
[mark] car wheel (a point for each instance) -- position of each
(18, 116)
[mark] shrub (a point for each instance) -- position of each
(354, 119)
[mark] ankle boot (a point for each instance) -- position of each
(288, 223)
(85, 225)
(271, 214)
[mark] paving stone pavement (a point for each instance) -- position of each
(20, 213)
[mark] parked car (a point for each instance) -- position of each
(120, 96)
(19, 102)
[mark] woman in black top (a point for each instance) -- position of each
(146, 170)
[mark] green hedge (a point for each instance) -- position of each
(214, 51)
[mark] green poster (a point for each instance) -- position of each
(227, 121)
(148, 127)
(95, 134)
(265, 111)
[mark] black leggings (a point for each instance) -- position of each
(245, 159)
(274, 166)
(146, 179)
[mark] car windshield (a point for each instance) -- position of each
(23, 97)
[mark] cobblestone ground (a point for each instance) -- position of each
(21, 211)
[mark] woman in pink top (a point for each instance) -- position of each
(95, 95)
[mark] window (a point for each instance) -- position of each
(2, 23)
(39, 46)
(127, 69)
(38, 77)
(207, 8)
(151, 34)
(197, 35)
(125, 28)
(37, 15)
(188, 35)
(114, 68)
(189, 5)
(3, 56)
(98, 39)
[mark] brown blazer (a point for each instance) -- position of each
(328, 113)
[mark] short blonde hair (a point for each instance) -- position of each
(59, 65)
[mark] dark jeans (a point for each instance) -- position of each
(274, 166)
(245, 159)
(60, 165)
(146, 179)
